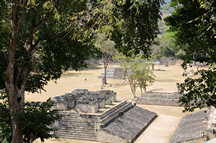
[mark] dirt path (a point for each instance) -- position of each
(160, 130)
(163, 126)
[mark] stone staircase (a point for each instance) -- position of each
(114, 112)
(84, 126)
(72, 126)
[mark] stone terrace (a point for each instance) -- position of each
(159, 98)
(98, 116)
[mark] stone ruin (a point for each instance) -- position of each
(159, 98)
(191, 129)
(197, 127)
(84, 101)
(98, 116)
(115, 73)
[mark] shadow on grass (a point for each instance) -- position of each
(74, 74)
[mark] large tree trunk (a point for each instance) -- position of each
(15, 92)
(105, 73)
(16, 102)
(14, 88)
(16, 108)
(106, 63)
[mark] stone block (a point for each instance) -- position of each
(87, 108)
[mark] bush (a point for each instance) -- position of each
(37, 120)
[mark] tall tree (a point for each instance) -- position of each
(107, 48)
(138, 71)
(194, 22)
(131, 24)
(36, 45)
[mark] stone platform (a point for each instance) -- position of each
(159, 98)
(98, 116)
(114, 73)
(192, 128)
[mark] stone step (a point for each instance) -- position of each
(117, 111)
(75, 133)
(79, 125)
(75, 122)
(71, 128)
(74, 125)
(118, 108)
(114, 108)
(79, 137)
(115, 114)
(72, 117)
(76, 136)
(77, 129)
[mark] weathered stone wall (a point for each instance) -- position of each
(159, 98)
(73, 126)
(116, 73)
(83, 100)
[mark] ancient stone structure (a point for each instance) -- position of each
(212, 118)
(193, 128)
(159, 98)
(98, 116)
(115, 73)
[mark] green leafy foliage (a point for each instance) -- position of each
(199, 92)
(131, 24)
(106, 46)
(138, 71)
(37, 120)
(45, 44)
(194, 22)
(141, 75)
(5, 129)
(139, 28)
(165, 46)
